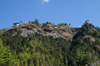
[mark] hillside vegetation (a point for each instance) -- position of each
(34, 44)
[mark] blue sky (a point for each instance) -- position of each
(56, 11)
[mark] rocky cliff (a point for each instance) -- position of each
(66, 32)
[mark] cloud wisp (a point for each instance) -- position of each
(45, 1)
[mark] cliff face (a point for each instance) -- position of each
(66, 32)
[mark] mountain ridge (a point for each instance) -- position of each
(66, 32)
(51, 45)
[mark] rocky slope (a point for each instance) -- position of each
(82, 50)
(66, 32)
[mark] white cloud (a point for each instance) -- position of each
(45, 1)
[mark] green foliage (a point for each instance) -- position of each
(35, 22)
(6, 56)
(3, 30)
(63, 24)
(39, 50)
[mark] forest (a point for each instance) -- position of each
(39, 50)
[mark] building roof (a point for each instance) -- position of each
(87, 21)
(15, 23)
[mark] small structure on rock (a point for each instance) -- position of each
(87, 21)
(55, 26)
(16, 24)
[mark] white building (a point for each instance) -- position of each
(55, 26)
(16, 24)
(87, 21)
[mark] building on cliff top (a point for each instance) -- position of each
(16, 24)
(87, 21)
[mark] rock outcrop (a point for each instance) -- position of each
(66, 32)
